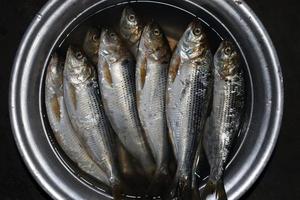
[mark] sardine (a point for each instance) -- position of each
(83, 102)
(116, 69)
(225, 119)
(91, 47)
(91, 44)
(60, 123)
(151, 79)
(189, 91)
(131, 29)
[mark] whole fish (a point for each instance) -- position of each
(225, 119)
(151, 79)
(91, 44)
(91, 47)
(83, 102)
(60, 123)
(189, 91)
(131, 29)
(116, 69)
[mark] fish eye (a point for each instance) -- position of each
(156, 32)
(79, 55)
(197, 31)
(113, 36)
(131, 17)
(228, 51)
(95, 37)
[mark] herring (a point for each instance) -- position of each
(151, 79)
(225, 119)
(116, 69)
(91, 47)
(60, 123)
(189, 91)
(83, 102)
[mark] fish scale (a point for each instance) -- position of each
(92, 123)
(152, 101)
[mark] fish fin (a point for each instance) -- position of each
(141, 73)
(72, 94)
(106, 73)
(160, 179)
(174, 67)
(180, 189)
(55, 106)
(213, 191)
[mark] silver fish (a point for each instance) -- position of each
(189, 91)
(91, 48)
(225, 119)
(151, 79)
(91, 44)
(116, 69)
(60, 123)
(131, 29)
(83, 102)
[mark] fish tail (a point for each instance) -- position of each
(117, 190)
(196, 194)
(160, 179)
(181, 189)
(213, 190)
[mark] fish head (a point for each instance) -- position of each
(130, 26)
(111, 46)
(226, 60)
(55, 71)
(154, 42)
(77, 67)
(91, 44)
(194, 41)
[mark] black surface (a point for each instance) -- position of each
(279, 180)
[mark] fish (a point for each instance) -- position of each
(130, 28)
(91, 44)
(152, 68)
(85, 108)
(225, 119)
(60, 123)
(91, 47)
(188, 95)
(116, 69)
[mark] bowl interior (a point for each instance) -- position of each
(174, 21)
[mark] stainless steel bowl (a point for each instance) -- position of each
(227, 18)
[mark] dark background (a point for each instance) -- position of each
(280, 180)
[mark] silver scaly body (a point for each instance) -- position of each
(189, 91)
(225, 119)
(116, 69)
(60, 123)
(151, 78)
(84, 105)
